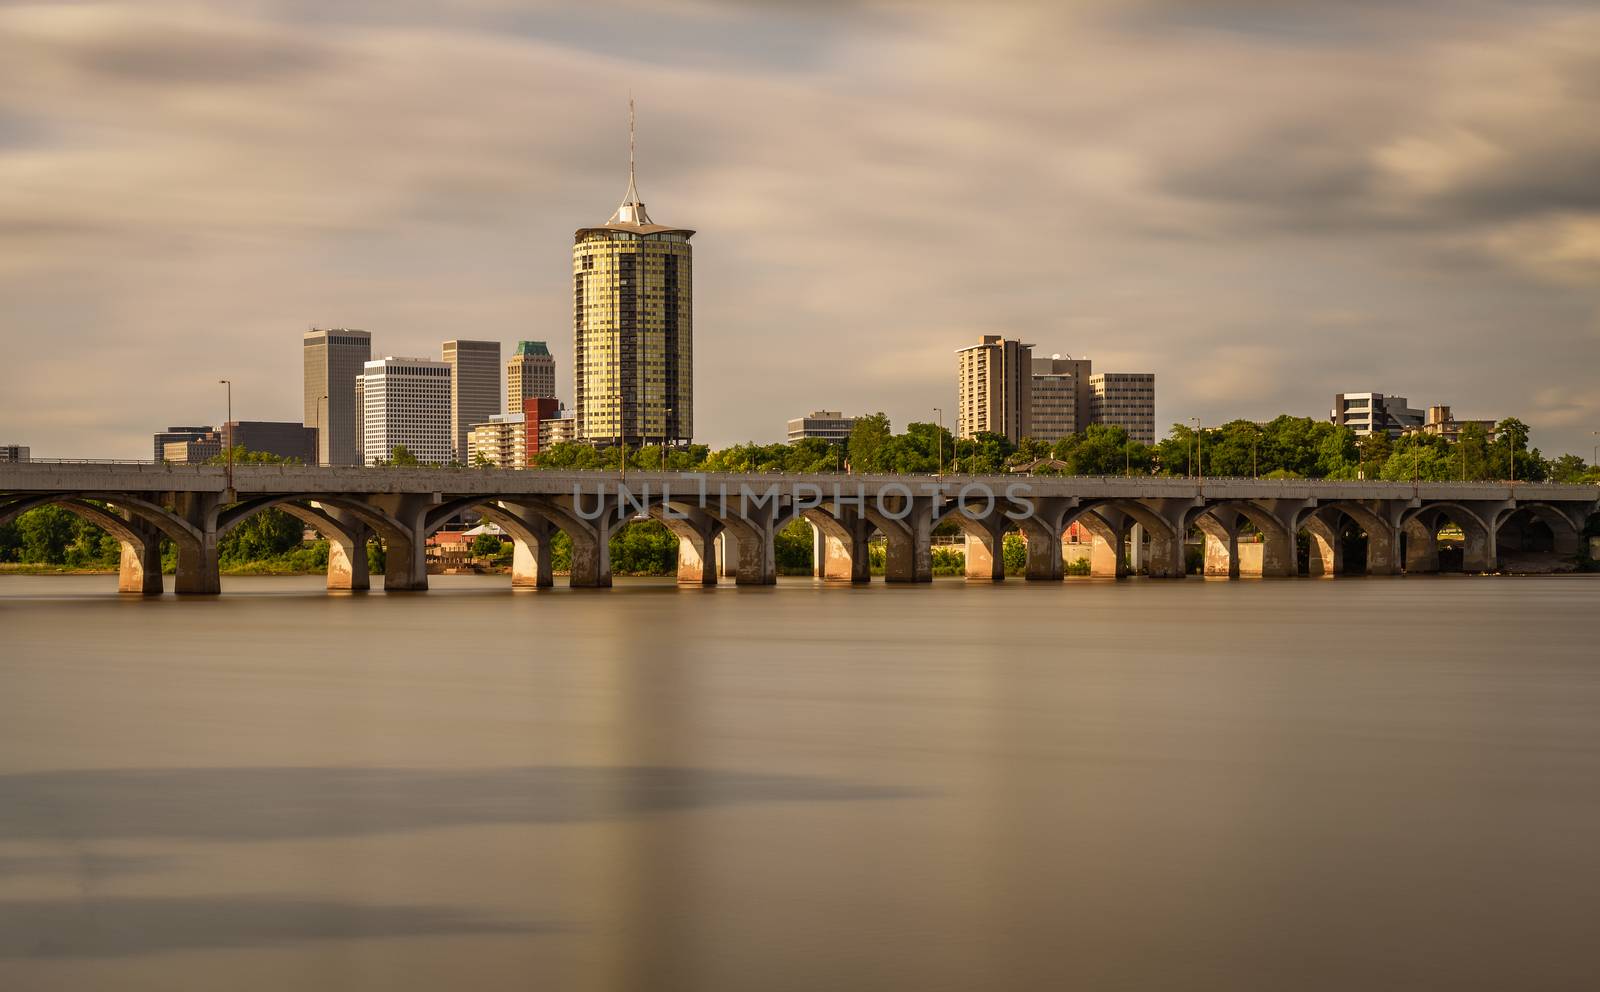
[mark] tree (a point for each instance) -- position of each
(268, 534)
(867, 437)
(486, 545)
(401, 457)
(1568, 468)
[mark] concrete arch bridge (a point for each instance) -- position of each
(726, 524)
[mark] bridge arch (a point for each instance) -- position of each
(1333, 528)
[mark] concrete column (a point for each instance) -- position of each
(1327, 550)
(819, 552)
(1136, 549)
(1221, 555)
(985, 556)
(755, 564)
(1044, 554)
(1166, 555)
(909, 553)
(1278, 557)
(846, 558)
(1071, 553)
(139, 572)
(1382, 553)
(347, 563)
(697, 562)
(531, 567)
(1422, 549)
(1480, 553)
(1105, 561)
(405, 560)
(199, 571)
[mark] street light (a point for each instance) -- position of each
(940, 415)
(227, 429)
(1199, 473)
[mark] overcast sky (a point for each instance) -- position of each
(1263, 203)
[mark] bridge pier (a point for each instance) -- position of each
(840, 548)
(1421, 547)
(139, 570)
(199, 569)
(985, 557)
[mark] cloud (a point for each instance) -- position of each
(1189, 189)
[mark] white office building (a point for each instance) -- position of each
(406, 402)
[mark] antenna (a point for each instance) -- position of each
(630, 142)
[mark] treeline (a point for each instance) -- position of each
(1285, 447)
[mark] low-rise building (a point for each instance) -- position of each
(15, 453)
(192, 452)
(1368, 413)
(1126, 400)
(1441, 423)
(1061, 399)
(829, 425)
(560, 429)
(166, 437)
(283, 438)
(501, 442)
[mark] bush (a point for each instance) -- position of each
(1078, 566)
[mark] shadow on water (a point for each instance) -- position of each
(267, 804)
(104, 928)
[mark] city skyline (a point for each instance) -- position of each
(1407, 209)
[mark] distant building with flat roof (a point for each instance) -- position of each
(406, 403)
(830, 425)
(192, 452)
(333, 358)
(994, 388)
(10, 453)
(171, 434)
(474, 389)
(1126, 400)
(1369, 413)
(283, 438)
(1441, 423)
(1061, 401)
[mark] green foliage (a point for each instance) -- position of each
(377, 557)
(644, 548)
(867, 437)
(1568, 468)
(54, 535)
(1102, 449)
(793, 547)
(269, 534)
(949, 560)
(486, 545)
(243, 456)
(1014, 554)
(1077, 566)
(401, 457)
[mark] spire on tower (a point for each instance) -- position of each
(632, 210)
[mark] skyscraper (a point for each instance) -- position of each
(994, 388)
(407, 404)
(474, 389)
(333, 359)
(633, 328)
(530, 374)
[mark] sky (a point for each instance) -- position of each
(1263, 203)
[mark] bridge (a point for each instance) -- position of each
(725, 524)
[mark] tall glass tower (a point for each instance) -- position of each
(633, 327)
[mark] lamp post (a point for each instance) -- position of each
(227, 430)
(1199, 473)
(1596, 462)
(938, 413)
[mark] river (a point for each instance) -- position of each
(1340, 784)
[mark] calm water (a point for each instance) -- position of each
(1355, 784)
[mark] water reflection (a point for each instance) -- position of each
(267, 804)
